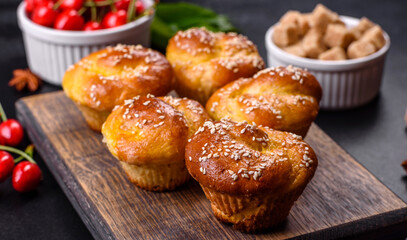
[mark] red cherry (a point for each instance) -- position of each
(71, 4)
(29, 6)
(12, 132)
(69, 20)
(44, 14)
(6, 165)
(26, 176)
(122, 4)
(42, 2)
(92, 26)
(2, 141)
(139, 7)
(38, 3)
(115, 19)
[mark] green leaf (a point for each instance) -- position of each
(161, 33)
(172, 17)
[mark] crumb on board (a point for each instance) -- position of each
(404, 165)
(405, 117)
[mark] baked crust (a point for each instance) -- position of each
(107, 77)
(204, 61)
(152, 130)
(282, 160)
(252, 175)
(148, 136)
(157, 177)
(251, 213)
(282, 98)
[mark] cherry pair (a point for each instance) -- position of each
(26, 175)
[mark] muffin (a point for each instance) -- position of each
(204, 61)
(251, 175)
(282, 98)
(107, 77)
(148, 136)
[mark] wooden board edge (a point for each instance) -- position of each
(357, 163)
(69, 184)
(101, 230)
(356, 229)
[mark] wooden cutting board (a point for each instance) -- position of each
(343, 198)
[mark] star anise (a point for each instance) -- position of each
(23, 78)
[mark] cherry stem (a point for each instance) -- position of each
(19, 152)
(99, 16)
(29, 150)
(2, 114)
(81, 11)
(112, 6)
(98, 4)
(57, 4)
(130, 10)
(93, 13)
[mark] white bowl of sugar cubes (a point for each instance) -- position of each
(345, 54)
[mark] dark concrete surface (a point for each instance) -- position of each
(374, 134)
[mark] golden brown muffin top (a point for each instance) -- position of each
(107, 77)
(205, 61)
(238, 158)
(283, 98)
(147, 129)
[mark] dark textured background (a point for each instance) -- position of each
(374, 134)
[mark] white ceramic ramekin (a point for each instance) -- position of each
(50, 52)
(345, 84)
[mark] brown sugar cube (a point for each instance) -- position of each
(295, 17)
(339, 22)
(285, 34)
(290, 17)
(375, 36)
(312, 43)
(302, 24)
(364, 24)
(356, 33)
(335, 53)
(337, 35)
(321, 16)
(307, 17)
(296, 50)
(362, 27)
(359, 49)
